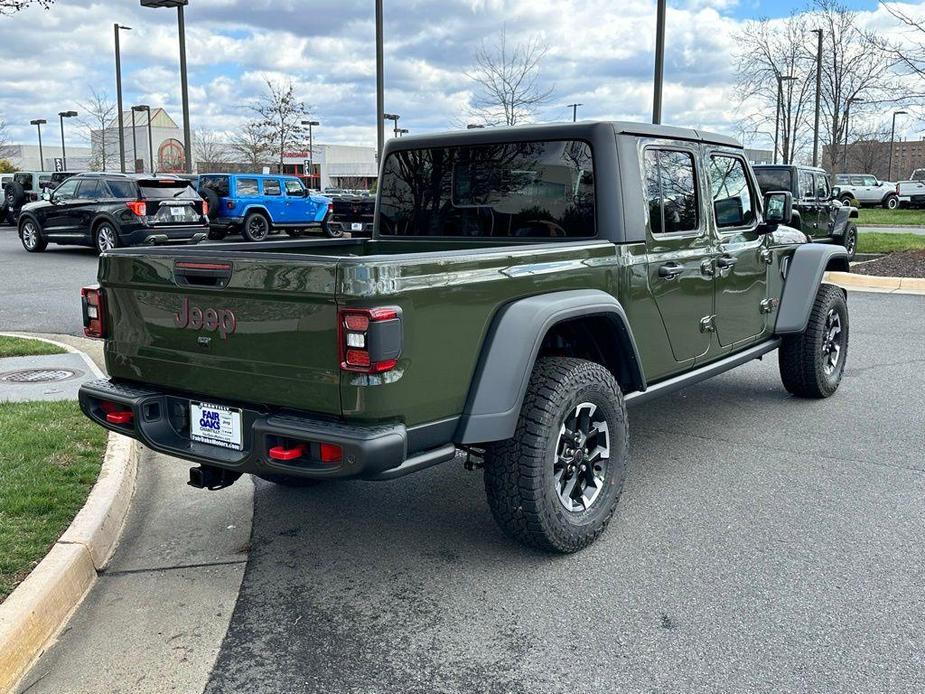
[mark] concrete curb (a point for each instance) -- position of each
(872, 283)
(41, 605)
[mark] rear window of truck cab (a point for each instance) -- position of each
(529, 190)
(774, 180)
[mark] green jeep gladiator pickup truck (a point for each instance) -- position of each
(522, 288)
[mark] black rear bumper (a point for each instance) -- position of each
(161, 422)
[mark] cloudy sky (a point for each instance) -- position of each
(601, 55)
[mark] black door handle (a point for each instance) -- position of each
(726, 261)
(669, 271)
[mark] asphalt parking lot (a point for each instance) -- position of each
(763, 543)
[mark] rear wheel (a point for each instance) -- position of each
(105, 237)
(555, 485)
(331, 232)
(847, 199)
(812, 363)
(256, 227)
(891, 202)
(31, 237)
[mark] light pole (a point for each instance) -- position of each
(311, 148)
(115, 29)
(139, 109)
(394, 117)
(184, 82)
(62, 116)
(574, 108)
(659, 62)
(134, 146)
(892, 138)
(402, 132)
(852, 100)
(780, 107)
(818, 33)
(38, 123)
(380, 80)
(474, 126)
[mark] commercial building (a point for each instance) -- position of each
(26, 157)
(166, 136)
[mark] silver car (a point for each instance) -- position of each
(867, 190)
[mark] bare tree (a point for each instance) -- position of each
(280, 114)
(870, 152)
(253, 144)
(857, 74)
(209, 152)
(11, 6)
(776, 82)
(4, 140)
(910, 58)
(507, 79)
(99, 110)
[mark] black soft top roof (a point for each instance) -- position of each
(558, 131)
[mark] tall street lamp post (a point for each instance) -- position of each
(394, 117)
(184, 81)
(780, 107)
(659, 61)
(574, 108)
(134, 145)
(380, 80)
(402, 132)
(62, 116)
(893, 138)
(818, 33)
(852, 100)
(147, 109)
(115, 29)
(311, 148)
(38, 123)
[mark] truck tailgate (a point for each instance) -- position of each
(245, 329)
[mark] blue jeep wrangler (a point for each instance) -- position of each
(256, 205)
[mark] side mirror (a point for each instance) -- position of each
(778, 209)
(46, 196)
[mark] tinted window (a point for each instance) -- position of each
(774, 180)
(271, 187)
(671, 191)
(164, 189)
(733, 203)
(247, 188)
(219, 184)
(294, 188)
(823, 192)
(89, 189)
(507, 190)
(66, 190)
(121, 188)
(24, 179)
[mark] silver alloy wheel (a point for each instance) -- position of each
(257, 228)
(105, 238)
(582, 457)
(30, 235)
(831, 342)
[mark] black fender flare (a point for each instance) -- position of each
(510, 350)
(805, 269)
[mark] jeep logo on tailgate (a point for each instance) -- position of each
(222, 320)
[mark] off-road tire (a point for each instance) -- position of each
(519, 472)
(847, 199)
(891, 202)
(330, 232)
(850, 241)
(248, 232)
(34, 243)
(287, 481)
(801, 357)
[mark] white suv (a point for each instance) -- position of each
(866, 189)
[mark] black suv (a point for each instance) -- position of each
(815, 211)
(106, 211)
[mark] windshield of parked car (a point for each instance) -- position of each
(506, 190)
(164, 189)
(774, 180)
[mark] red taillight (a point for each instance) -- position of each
(331, 453)
(370, 339)
(91, 299)
(205, 208)
(138, 207)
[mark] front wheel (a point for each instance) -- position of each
(812, 364)
(256, 227)
(850, 241)
(555, 485)
(31, 237)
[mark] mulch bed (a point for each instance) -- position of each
(905, 264)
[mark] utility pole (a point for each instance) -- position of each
(574, 108)
(659, 62)
(62, 116)
(818, 33)
(380, 81)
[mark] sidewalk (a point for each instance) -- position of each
(45, 377)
